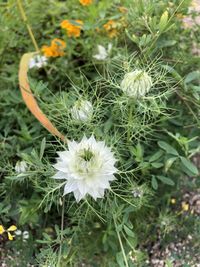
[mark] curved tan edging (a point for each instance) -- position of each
(29, 98)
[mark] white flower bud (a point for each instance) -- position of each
(136, 83)
(82, 111)
(21, 166)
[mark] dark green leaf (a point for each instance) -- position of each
(157, 165)
(120, 259)
(168, 148)
(165, 180)
(132, 242)
(169, 163)
(128, 231)
(156, 156)
(194, 75)
(42, 147)
(154, 183)
(189, 165)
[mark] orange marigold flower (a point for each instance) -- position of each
(111, 28)
(55, 49)
(58, 46)
(47, 51)
(85, 2)
(72, 29)
(110, 25)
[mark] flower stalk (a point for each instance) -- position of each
(24, 17)
(61, 234)
(120, 242)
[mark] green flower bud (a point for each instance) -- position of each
(136, 83)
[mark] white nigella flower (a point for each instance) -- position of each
(103, 53)
(21, 166)
(87, 166)
(38, 62)
(136, 83)
(82, 111)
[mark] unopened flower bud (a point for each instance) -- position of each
(82, 111)
(136, 83)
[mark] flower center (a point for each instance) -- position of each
(87, 154)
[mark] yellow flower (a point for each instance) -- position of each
(185, 206)
(12, 228)
(2, 230)
(85, 2)
(10, 237)
(180, 16)
(55, 49)
(173, 200)
(123, 9)
(111, 28)
(72, 29)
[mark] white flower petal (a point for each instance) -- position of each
(25, 235)
(96, 193)
(99, 57)
(70, 187)
(60, 175)
(102, 49)
(82, 187)
(77, 195)
(61, 167)
(37, 61)
(18, 232)
(103, 53)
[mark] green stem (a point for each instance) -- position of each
(61, 234)
(120, 242)
(24, 17)
(130, 118)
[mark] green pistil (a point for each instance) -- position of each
(87, 155)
